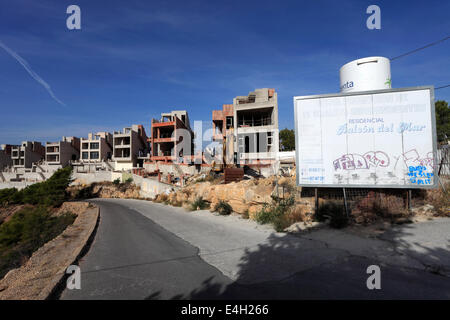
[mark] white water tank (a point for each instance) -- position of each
(372, 73)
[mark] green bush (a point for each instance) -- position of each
(335, 212)
(51, 192)
(276, 213)
(129, 180)
(6, 195)
(199, 204)
(116, 181)
(28, 230)
(223, 208)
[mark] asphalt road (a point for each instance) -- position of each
(144, 250)
(134, 258)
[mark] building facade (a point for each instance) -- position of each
(5, 156)
(24, 155)
(167, 135)
(130, 147)
(97, 147)
(62, 152)
(223, 132)
(256, 127)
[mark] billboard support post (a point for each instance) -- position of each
(316, 198)
(409, 197)
(345, 202)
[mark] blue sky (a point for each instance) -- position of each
(133, 60)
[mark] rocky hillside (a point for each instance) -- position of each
(104, 190)
(246, 197)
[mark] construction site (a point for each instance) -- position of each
(245, 134)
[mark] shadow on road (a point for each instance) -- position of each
(264, 274)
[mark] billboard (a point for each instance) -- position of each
(384, 138)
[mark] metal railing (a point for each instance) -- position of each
(254, 122)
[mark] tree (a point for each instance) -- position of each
(287, 140)
(442, 121)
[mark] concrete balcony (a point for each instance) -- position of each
(163, 124)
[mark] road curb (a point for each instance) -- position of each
(58, 289)
(43, 275)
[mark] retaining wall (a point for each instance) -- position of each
(88, 178)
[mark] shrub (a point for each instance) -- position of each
(281, 223)
(129, 180)
(116, 181)
(333, 210)
(223, 208)
(177, 204)
(440, 200)
(379, 204)
(199, 204)
(266, 215)
(28, 230)
(161, 198)
(51, 192)
(276, 213)
(6, 195)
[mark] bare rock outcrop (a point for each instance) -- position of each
(246, 197)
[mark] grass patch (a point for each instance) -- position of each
(27, 231)
(199, 204)
(276, 213)
(223, 208)
(162, 198)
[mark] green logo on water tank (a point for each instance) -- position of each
(389, 82)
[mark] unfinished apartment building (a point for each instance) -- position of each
(223, 132)
(24, 155)
(62, 152)
(167, 135)
(5, 156)
(130, 147)
(97, 147)
(256, 127)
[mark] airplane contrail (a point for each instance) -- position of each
(31, 72)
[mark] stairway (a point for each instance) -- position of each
(40, 168)
(109, 165)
